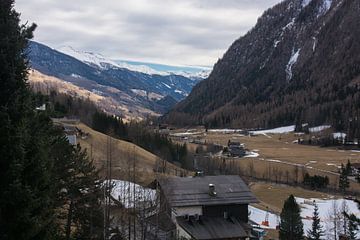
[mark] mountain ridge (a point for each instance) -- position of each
(127, 88)
(298, 64)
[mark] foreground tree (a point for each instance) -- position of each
(26, 195)
(316, 232)
(37, 164)
(291, 226)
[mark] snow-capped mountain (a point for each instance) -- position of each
(299, 64)
(95, 73)
(98, 60)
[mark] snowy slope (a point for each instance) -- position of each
(130, 194)
(325, 209)
(102, 62)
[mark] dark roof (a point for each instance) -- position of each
(163, 221)
(213, 228)
(230, 189)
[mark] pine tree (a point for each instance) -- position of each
(343, 180)
(316, 232)
(37, 163)
(26, 192)
(291, 226)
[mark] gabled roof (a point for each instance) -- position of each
(213, 228)
(230, 189)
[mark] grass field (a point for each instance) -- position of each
(280, 158)
(124, 156)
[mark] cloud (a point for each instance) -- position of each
(187, 32)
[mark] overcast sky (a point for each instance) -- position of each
(179, 32)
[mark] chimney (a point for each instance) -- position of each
(212, 191)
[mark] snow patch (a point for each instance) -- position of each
(307, 208)
(278, 130)
(314, 43)
(325, 7)
(305, 3)
(225, 130)
(166, 85)
(129, 193)
(252, 154)
(293, 59)
(319, 128)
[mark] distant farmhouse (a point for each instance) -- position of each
(235, 149)
(210, 207)
(70, 133)
(70, 130)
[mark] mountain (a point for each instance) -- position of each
(300, 63)
(95, 59)
(129, 89)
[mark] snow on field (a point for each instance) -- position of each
(252, 154)
(307, 209)
(225, 130)
(128, 193)
(325, 209)
(319, 128)
(184, 134)
(258, 215)
(279, 130)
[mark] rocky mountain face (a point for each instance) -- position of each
(300, 63)
(134, 89)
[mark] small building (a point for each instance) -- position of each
(71, 133)
(206, 207)
(236, 149)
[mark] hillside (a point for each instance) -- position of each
(123, 156)
(133, 89)
(299, 64)
(44, 84)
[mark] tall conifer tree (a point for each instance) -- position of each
(291, 226)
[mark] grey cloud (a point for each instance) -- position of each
(195, 32)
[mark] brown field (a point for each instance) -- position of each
(274, 195)
(124, 156)
(279, 158)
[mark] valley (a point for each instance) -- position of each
(278, 158)
(153, 143)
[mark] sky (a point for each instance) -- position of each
(175, 32)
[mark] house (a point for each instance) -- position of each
(70, 133)
(236, 149)
(206, 207)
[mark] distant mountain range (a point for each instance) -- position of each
(95, 59)
(137, 89)
(299, 64)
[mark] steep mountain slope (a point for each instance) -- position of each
(104, 77)
(300, 63)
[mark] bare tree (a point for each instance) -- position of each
(333, 226)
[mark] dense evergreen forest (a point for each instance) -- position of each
(48, 188)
